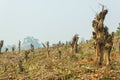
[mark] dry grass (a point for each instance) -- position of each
(70, 66)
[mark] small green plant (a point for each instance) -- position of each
(117, 33)
(81, 52)
(68, 76)
(106, 78)
(74, 57)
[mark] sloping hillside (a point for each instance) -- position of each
(64, 66)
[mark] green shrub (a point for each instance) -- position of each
(81, 52)
(68, 76)
(74, 57)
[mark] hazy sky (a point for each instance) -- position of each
(53, 20)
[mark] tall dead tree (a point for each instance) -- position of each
(74, 43)
(1, 44)
(103, 40)
(47, 47)
(19, 46)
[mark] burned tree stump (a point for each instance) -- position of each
(103, 40)
(74, 43)
(26, 55)
(119, 47)
(19, 46)
(1, 44)
(13, 49)
(59, 53)
(32, 47)
(47, 48)
(32, 50)
(21, 69)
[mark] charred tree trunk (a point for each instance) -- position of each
(103, 41)
(1, 45)
(119, 47)
(74, 43)
(0, 50)
(47, 48)
(19, 46)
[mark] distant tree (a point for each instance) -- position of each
(30, 40)
(118, 30)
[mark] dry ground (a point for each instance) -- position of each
(70, 66)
